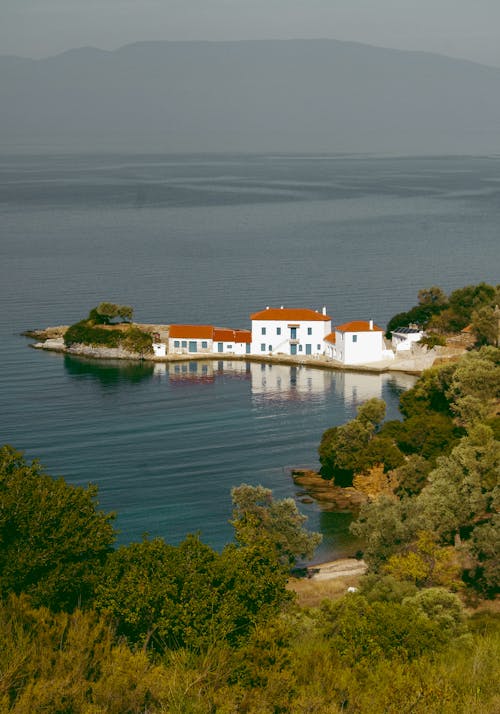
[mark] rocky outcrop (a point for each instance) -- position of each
(324, 491)
(57, 345)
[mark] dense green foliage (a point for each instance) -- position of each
(473, 305)
(357, 446)
(171, 597)
(53, 541)
(440, 524)
(186, 630)
(260, 520)
(353, 656)
(96, 330)
(105, 312)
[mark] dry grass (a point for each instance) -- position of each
(310, 592)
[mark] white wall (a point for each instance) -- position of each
(276, 339)
(367, 347)
(183, 348)
(159, 349)
(233, 348)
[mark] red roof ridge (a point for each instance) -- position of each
(358, 326)
(289, 313)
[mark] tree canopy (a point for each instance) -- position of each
(53, 539)
(258, 518)
(471, 305)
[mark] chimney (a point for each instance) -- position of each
(324, 309)
(281, 307)
(371, 324)
(267, 307)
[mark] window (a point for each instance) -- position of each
(309, 330)
(270, 348)
(184, 343)
(354, 338)
(262, 347)
(229, 347)
(278, 330)
(204, 345)
(318, 348)
(300, 348)
(177, 343)
(263, 331)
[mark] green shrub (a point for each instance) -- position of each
(132, 339)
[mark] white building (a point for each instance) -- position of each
(289, 331)
(190, 339)
(404, 337)
(236, 342)
(207, 339)
(357, 342)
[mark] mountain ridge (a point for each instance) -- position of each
(251, 95)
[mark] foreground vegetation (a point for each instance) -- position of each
(92, 629)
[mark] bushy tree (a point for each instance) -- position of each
(484, 548)
(462, 487)
(386, 526)
(412, 476)
(258, 518)
(105, 312)
(474, 388)
(170, 597)
(53, 539)
(365, 632)
(429, 393)
(356, 447)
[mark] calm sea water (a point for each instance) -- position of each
(212, 239)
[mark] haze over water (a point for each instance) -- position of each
(212, 239)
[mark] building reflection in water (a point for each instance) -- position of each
(200, 372)
(286, 382)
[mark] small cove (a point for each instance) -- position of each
(165, 448)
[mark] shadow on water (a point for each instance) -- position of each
(109, 372)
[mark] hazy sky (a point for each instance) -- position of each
(460, 28)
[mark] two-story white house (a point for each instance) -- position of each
(357, 342)
(289, 331)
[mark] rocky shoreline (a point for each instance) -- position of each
(325, 493)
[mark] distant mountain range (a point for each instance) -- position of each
(255, 96)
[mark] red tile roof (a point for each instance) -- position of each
(242, 336)
(331, 338)
(358, 326)
(209, 332)
(191, 332)
(225, 335)
(287, 313)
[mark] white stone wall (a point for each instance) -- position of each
(275, 337)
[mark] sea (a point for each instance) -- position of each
(211, 239)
